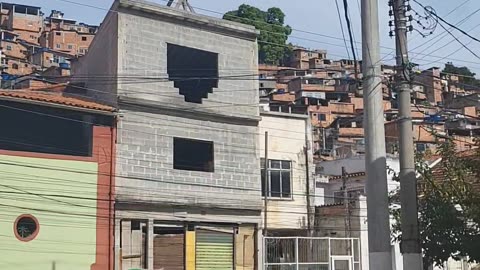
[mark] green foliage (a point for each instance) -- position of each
(463, 71)
(272, 41)
(449, 208)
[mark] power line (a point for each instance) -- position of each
(350, 34)
(341, 27)
(284, 45)
(444, 33)
(444, 21)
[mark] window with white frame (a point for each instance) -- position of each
(279, 178)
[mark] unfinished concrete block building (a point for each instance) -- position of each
(187, 176)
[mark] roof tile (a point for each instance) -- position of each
(56, 98)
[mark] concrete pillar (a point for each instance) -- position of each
(150, 236)
(190, 239)
(260, 247)
(364, 258)
(116, 260)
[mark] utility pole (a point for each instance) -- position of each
(411, 250)
(266, 186)
(346, 203)
(307, 186)
(375, 158)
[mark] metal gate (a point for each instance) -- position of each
(311, 253)
(214, 250)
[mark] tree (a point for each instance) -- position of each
(449, 208)
(466, 75)
(272, 41)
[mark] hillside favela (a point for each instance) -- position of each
(239, 135)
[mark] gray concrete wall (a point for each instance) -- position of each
(143, 52)
(145, 158)
(98, 68)
(132, 41)
(145, 135)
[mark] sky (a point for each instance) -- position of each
(320, 18)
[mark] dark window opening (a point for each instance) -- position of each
(84, 38)
(421, 147)
(41, 129)
(322, 117)
(193, 155)
(15, 66)
(194, 72)
(58, 33)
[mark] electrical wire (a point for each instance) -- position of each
(444, 33)
(284, 45)
(458, 40)
(341, 27)
(444, 21)
(349, 28)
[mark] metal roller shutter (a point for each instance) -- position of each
(214, 250)
(168, 252)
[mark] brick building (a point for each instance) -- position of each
(432, 82)
(14, 55)
(173, 203)
(301, 57)
(30, 43)
(25, 21)
(66, 35)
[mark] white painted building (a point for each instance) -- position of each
(289, 136)
(329, 192)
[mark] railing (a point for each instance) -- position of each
(311, 253)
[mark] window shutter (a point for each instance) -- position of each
(214, 250)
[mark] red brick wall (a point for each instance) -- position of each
(13, 49)
(32, 37)
(27, 23)
(22, 67)
(69, 41)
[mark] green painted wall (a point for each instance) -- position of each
(67, 225)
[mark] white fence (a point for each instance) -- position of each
(311, 253)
